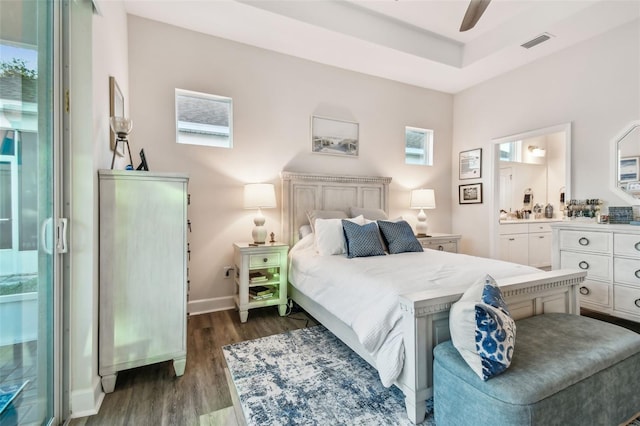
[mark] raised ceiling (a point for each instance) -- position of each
(411, 41)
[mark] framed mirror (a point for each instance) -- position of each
(626, 163)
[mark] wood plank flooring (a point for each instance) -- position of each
(152, 395)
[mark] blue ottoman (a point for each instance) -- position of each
(566, 370)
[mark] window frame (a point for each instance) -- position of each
(210, 132)
(426, 151)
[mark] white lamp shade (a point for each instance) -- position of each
(423, 199)
(259, 196)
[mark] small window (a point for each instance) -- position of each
(203, 119)
(510, 151)
(418, 146)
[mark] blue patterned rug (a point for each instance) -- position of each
(309, 377)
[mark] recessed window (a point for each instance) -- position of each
(510, 151)
(203, 119)
(418, 146)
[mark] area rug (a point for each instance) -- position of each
(309, 377)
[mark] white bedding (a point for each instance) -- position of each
(363, 292)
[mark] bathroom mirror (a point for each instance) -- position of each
(626, 164)
(536, 163)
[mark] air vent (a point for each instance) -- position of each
(536, 41)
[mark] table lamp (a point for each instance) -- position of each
(422, 199)
(259, 196)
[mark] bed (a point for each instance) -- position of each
(416, 318)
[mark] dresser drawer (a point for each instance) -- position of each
(627, 271)
(595, 292)
(539, 227)
(264, 260)
(597, 242)
(627, 299)
(513, 228)
(450, 246)
(626, 245)
(597, 267)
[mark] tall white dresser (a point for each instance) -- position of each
(143, 271)
(611, 256)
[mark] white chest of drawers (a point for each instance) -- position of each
(611, 256)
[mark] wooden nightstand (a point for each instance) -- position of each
(260, 268)
(442, 242)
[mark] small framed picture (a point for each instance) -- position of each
(629, 169)
(470, 194)
(471, 164)
(335, 137)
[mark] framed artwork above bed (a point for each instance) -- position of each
(334, 137)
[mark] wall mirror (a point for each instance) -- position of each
(530, 168)
(626, 164)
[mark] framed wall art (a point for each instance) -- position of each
(116, 109)
(470, 194)
(334, 137)
(471, 164)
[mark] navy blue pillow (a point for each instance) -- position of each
(398, 236)
(362, 240)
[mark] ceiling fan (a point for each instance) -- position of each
(474, 12)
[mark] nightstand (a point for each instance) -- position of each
(442, 242)
(261, 276)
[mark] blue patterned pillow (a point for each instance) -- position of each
(482, 329)
(398, 236)
(362, 240)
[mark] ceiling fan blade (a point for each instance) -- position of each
(474, 12)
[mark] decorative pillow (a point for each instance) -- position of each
(398, 236)
(362, 240)
(371, 214)
(312, 215)
(329, 236)
(482, 329)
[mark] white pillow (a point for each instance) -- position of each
(329, 236)
(482, 329)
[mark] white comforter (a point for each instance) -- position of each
(363, 292)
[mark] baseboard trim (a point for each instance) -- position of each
(87, 402)
(215, 304)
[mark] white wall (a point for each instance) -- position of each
(274, 97)
(93, 59)
(593, 85)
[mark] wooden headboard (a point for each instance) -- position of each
(302, 192)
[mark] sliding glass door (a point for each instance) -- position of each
(27, 273)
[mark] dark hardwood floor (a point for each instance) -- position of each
(152, 395)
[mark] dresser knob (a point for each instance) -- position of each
(637, 246)
(583, 265)
(637, 273)
(583, 241)
(584, 291)
(441, 248)
(266, 259)
(637, 303)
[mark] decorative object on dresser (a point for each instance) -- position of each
(121, 127)
(470, 164)
(116, 109)
(259, 196)
(422, 199)
(261, 277)
(610, 254)
(143, 271)
(441, 242)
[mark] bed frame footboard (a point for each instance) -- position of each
(426, 323)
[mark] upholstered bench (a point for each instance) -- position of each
(566, 370)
